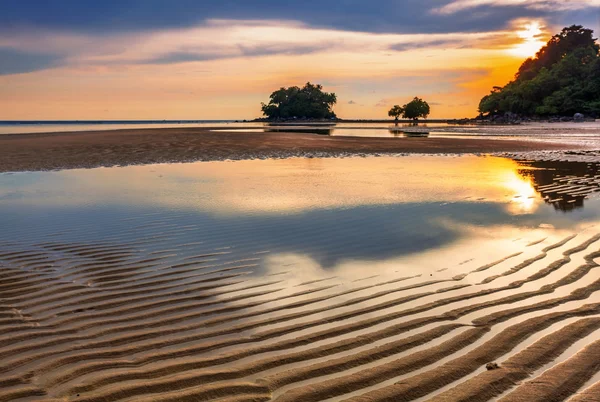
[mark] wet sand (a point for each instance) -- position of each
(152, 313)
(34, 152)
(111, 320)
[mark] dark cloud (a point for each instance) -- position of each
(401, 47)
(243, 51)
(351, 102)
(182, 57)
(391, 16)
(399, 16)
(14, 62)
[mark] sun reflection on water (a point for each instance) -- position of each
(525, 199)
(292, 186)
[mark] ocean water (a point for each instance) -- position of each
(31, 127)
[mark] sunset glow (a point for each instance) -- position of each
(220, 66)
(531, 36)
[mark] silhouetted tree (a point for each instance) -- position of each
(396, 112)
(307, 102)
(416, 108)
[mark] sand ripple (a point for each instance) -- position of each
(127, 319)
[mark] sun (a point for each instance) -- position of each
(530, 40)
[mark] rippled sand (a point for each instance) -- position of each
(116, 322)
(142, 307)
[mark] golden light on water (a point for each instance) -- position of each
(531, 42)
(298, 185)
(525, 199)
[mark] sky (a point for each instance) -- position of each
(206, 59)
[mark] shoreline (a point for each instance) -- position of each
(88, 149)
(185, 283)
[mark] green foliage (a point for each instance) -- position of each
(563, 79)
(396, 112)
(412, 110)
(309, 102)
(416, 108)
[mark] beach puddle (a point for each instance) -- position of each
(281, 278)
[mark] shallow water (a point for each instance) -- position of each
(320, 214)
(56, 127)
(581, 134)
(122, 278)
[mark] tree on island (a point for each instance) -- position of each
(414, 109)
(396, 112)
(308, 102)
(562, 79)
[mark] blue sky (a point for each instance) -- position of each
(82, 43)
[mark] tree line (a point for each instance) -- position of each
(311, 102)
(561, 80)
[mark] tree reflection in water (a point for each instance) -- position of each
(564, 185)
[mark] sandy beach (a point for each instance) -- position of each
(196, 282)
(33, 152)
(121, 324)
(333, 201)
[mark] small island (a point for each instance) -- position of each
(308, 103)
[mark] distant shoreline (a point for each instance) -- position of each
(366, 121)
(157, 122)
(108, 122)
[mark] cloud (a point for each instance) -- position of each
(241, 51)
(13, 61)
(401, 47)
(131, 16)
(224, 39)
(548, 5)
(233, 64)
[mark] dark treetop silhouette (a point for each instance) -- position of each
(309, 102)
(562, 79)
(412, 110)
(396, 112)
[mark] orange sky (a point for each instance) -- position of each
(223, 69)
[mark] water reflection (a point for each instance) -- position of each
(564, 185)
(407, 131)
(525, 199)
(582, 134)
(281, 186)
(288, 258)
(469, 249)
(402, 130)
(330, 211)
(304, 130)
